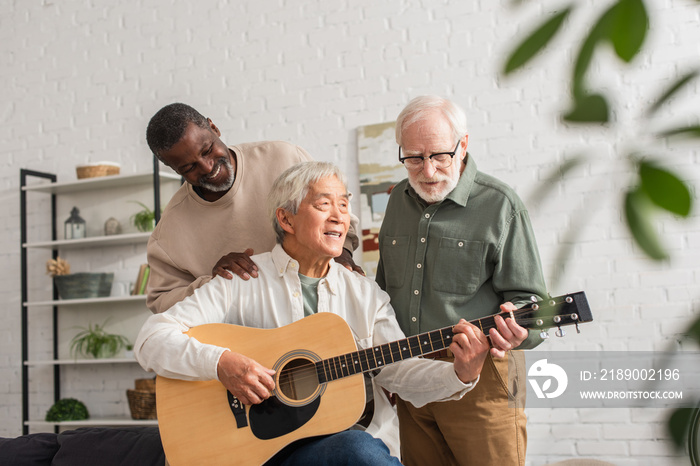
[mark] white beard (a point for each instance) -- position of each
(432, 196)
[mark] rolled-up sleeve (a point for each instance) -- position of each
(162, 346)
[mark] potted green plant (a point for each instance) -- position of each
(145, 219)
(67, 409)
(96, 342)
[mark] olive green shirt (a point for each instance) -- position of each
(459, 258)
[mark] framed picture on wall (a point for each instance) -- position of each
(380, 170)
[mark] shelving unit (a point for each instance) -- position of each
(73, 302)
(103, 422)
(54, 189)
(68, 362)
(95, 241)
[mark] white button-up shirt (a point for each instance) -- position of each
(274, 299)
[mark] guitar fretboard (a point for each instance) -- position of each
(379, 356)
(570, 309)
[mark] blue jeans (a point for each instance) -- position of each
(350, 447)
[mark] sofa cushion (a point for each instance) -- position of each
(130, 446)
(29, 450)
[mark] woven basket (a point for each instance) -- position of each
(147, 385)
(84, 285)
(142, 404)
(97, 169)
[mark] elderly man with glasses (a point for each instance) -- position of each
(457, 243)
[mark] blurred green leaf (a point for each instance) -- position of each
(639, 211)
(583, 61)
(692, 132)
(628, 28)
(665, 189)
(694, 330)
(597, 33)
(671, 91)
(589, 108)
(553, 178)
(535, 42)
(624, 25)
(678, 425)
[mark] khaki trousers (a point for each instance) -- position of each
(481, 429)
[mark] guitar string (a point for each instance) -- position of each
(310, 366)
(306, 373)
(394, 353)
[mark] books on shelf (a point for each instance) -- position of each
(141, 280)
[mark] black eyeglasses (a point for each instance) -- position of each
(439, 160)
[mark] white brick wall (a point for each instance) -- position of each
(82, 78)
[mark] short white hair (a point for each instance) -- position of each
(417, 109)
(292, 186)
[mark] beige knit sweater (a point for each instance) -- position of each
(193, 234)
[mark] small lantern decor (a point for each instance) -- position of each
(75, 225)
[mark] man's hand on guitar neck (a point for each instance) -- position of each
(247, 380)
(469, 346)
(509, 334)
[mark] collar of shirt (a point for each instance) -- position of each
(284, 264)
(459, 195)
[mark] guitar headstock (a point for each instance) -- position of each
(569, 309)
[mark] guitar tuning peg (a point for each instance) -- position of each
(544, 335)
(577, 330)
(560, 332)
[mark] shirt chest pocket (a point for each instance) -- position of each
(394, 253)
(458, 266)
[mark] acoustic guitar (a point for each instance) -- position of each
(319, 384)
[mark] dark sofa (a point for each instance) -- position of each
(129, 446)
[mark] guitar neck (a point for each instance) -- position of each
(556, 312)
(379, 356)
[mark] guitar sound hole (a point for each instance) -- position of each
(298, 379)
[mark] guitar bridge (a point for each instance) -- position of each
(238, 410)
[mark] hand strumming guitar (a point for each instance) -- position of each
(247, 380)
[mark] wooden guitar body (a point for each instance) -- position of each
(319, 383)
(198, 426)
